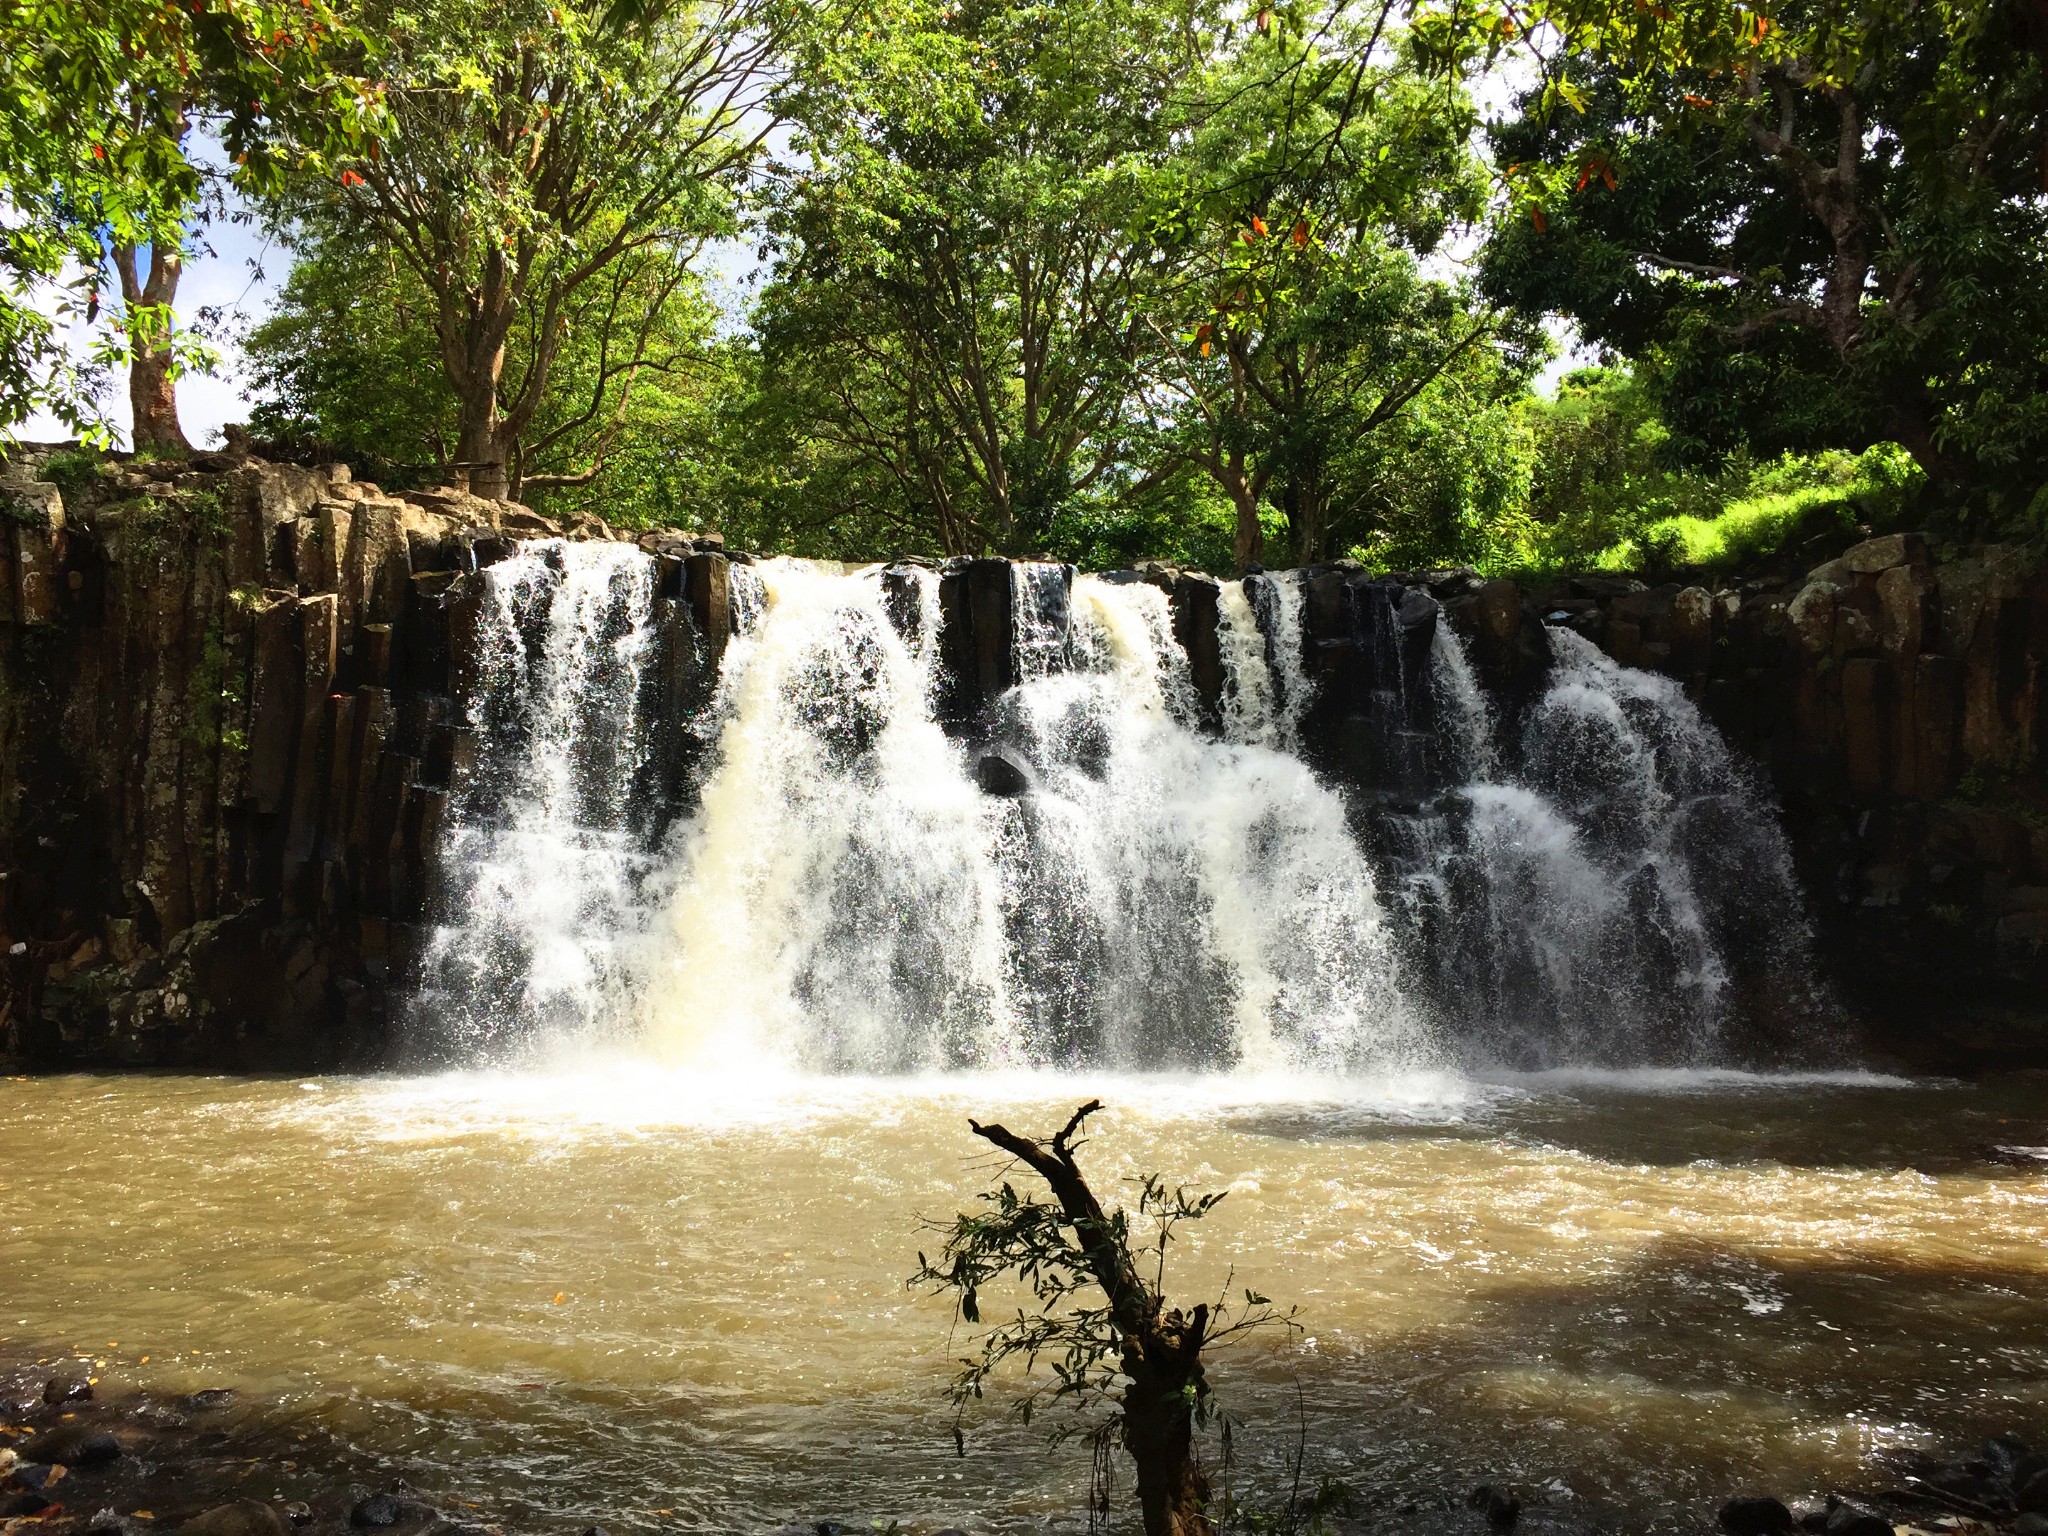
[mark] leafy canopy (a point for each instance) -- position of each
(99, 107)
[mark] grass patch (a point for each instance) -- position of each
(1842, 490)
(73, 471)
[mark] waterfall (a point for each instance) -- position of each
(1618, 893)
(831, 904)
(1462, 707)
(542, 867)
(848, 898)
(1176, 900)
(1275, 602)
(1251, 710)
(1085, 868)
(1039, 621)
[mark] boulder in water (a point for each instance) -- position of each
(1847, 1519)
(998, 774)
(1763, 1516)
(1501, 1508)
(60, 1390)
(73, 1445)
(2032, 1495)
(377, 1511)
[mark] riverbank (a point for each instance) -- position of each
(82, 1454)
(78, 1459)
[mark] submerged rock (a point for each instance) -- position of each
(2032, 1495)
(999, 775)
(73, 1445)
(1763, 1516)
(378, 1510)
(1847, 1519)
(1501, 1508)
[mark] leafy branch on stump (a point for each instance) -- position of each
(1103, 1327)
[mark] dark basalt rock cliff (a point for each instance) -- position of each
(227, 733)
(230, 719)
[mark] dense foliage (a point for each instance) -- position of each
(103, 172)
(1830, 235)
(1212, 282)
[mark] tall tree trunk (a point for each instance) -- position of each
(1913, 429)
(473, 327)
(1302, 532)
(152, 385)
(1159, 1434)
(1248, 537)
(484, 447)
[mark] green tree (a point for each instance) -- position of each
(1323, 170)
(349, 364)
(964, 257)
(1100, 1316)
(100, 109)
(553, 170)
(1817, 225)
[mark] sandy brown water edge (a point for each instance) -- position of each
(1626, 1296)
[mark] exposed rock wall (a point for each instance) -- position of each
(227, 734)
(1900, 706)
(229, 728)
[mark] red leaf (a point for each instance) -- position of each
(1536, 217)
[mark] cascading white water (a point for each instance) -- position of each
(1602, 885)
(1179, 901)
(848, 898)
(1286, 694)
(1039, 627)
(542, 869)
(1466, 723)
(1600, 900)
(832, 905)
(1252, 714)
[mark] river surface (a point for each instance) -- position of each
(607, 1292)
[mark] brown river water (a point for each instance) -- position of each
(614, 1293)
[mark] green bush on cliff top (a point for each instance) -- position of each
(1797, 496)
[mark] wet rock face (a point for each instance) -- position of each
(228, 728)
(233, 712)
